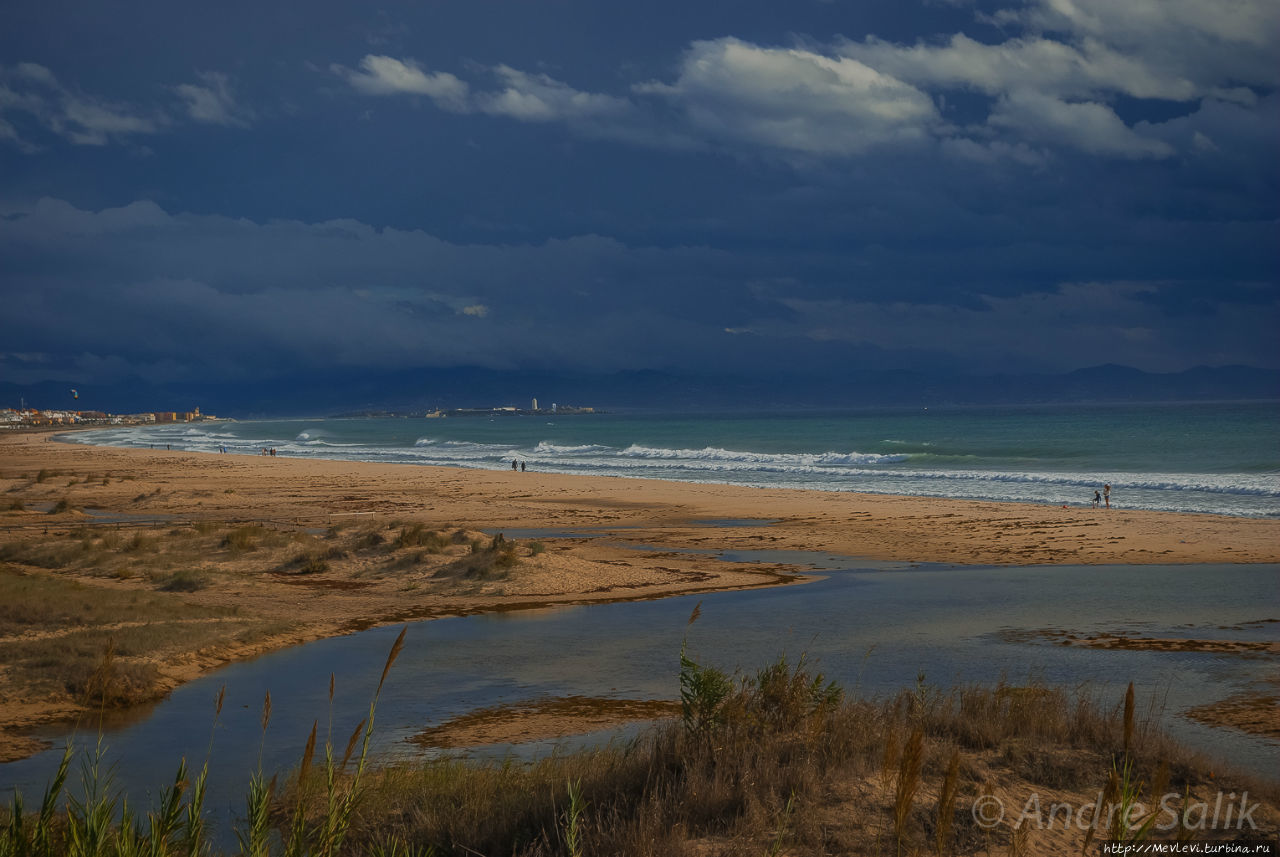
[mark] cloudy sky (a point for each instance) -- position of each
(248, 189)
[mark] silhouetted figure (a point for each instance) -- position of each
(513, 465)
(522, 467)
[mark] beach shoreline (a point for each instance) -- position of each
(872, 526)
(663, 540)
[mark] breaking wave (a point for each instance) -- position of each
(907, 469)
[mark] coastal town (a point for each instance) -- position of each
(24, 417)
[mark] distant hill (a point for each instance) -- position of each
(423, 389)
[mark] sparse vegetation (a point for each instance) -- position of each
(139, 543)
(112, 683)
(785, 765)
(48, 596)
(185, 580)
(243, 539)
(491, 562)
(366, 541)
(417, 535)
(96, 823)
(307, 562)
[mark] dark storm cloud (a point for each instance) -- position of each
(968, 187)
(141, 290)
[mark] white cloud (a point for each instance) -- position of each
(383, 75)
(1214, 46)
(1202, 142)
(1141, 22)
(539, 98)
(1053, 84)
(1037, 63)
(727, 93)
(213, 101)
(791, 99)
(523, 96)
(1088, 126)
(33, 90)
(95, 123)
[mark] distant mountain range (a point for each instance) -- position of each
(426, 389)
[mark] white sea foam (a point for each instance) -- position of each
(548, 448)
(768, 459)
(907, 472)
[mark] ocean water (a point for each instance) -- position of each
(1213, 458)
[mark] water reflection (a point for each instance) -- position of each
(872, 630)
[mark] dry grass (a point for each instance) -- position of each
(787, 768)
(69, 592)
(780, 763)
(58, 630)
(484, 562)
(35, 602)
(186, 580)
(66, 663)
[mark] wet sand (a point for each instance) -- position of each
(542, 720)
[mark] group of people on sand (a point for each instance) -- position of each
(271, 452)
(1104, 497)
(514, 466)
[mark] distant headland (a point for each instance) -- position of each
(556, 410)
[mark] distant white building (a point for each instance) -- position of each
(535, 404)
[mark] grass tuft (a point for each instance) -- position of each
(243, 539)
(186, 580)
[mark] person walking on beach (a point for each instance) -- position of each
(1106, 494)
(522, 467)
(513, 465)
(1097, 498)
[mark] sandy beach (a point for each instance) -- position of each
(287, 551)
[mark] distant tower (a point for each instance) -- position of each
(535, 404)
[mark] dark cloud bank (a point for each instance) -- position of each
(956, 202)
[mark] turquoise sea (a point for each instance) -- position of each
(1216, 458)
